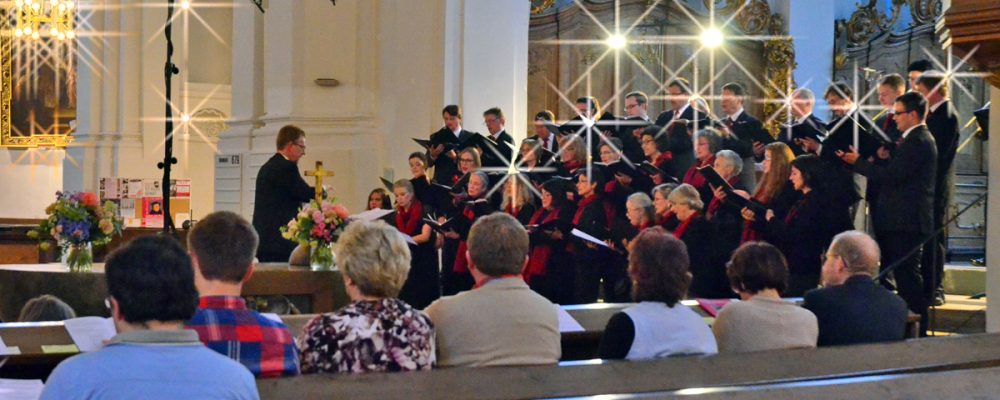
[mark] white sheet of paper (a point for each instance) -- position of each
(3, 348)
(582, 235)
(272, 316)
(567, 323)
(21, 389)
(370, 215)
(89, 333)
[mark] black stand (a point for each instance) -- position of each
(169, 70)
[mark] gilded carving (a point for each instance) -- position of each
(723, 6)
(869, 21)
(780, 54)
(755, 17)
(541, 6)
(925, 11)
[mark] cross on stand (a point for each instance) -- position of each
(319, 173)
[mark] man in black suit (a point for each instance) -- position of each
(903, 215)
(749, 131)
(280, 191)
(545, 131)
(805, 123)
(445, 145)
(915, 69)
(590, 123)
(889, 88)
(631, 127)
(851, 308)
(679, 140)
(942, 121)
(497, 151)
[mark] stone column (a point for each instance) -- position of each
(993, 220)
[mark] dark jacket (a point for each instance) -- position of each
(499, 155)
(811, 123)
(445, 167)
(859, 311)
(708, 275)
(279, 192)
(805, 232)
(680, 143)
(943, 124)
(906, 185)
(746, 130)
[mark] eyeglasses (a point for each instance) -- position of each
(301, 146)
(646, 141)
(468, 160)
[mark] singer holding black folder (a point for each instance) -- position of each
(775, 191)
(422, 284)
(593, 216)
(457, 278)
(548, 264)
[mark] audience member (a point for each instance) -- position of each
(376, 332)
(762, 320)
(659, 326)
(501, 321)
(222, 247)
(851, 308)
(46, 308)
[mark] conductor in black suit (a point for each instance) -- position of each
(903, 214)
(942, 121)
(851, 308)
(445, 145)
(280, 191)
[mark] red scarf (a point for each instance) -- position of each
(695, 179)
(749, 233)
(664, 158)
(581, 206)
(539, 258)
(572, 165)
(679, 232)
(794, 212)
(408, 221)
(662, 221)
(461, 265)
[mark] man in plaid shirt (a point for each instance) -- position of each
(222, 247)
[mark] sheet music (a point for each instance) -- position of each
(567, 323)
(370, 215)
(583, 235)
(272, 316)
(21, 389)
(89, 333)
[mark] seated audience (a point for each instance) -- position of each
(851, 307)
(501, 321)
(762, 320)
(151, 293)
(222, 247)
(659, 326)
(376, 332)
(46, 308)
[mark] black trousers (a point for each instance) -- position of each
(935, 251)
(908, 274)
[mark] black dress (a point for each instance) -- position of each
(280, 191)
(708, 275)
(455, 277)
(803, 236)
(422, 285)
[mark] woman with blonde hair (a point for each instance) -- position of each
(518, 200)
(376, 332)
(573, 154)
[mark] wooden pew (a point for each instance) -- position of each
(657, 376)
(85, 292)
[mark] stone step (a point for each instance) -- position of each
(964, 279)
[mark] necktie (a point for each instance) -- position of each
(885, 124)
(729, 123)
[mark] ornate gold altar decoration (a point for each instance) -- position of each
(541, 6)
(972, 28)
(40, 35)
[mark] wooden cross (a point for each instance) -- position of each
(319, 173)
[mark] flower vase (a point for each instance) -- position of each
(78, 257)
(321, 257)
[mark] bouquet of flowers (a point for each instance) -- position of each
(77, 222)
(317, 226)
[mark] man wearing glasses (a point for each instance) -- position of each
(280, 191)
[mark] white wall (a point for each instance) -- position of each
(811, 25)
(30, 181)
(993, 221)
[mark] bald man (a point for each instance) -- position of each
(852, 308)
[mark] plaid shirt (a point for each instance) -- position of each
(264, 346)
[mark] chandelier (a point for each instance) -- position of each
(44, 18)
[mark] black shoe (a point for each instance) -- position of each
(938, 299)
(978, 262)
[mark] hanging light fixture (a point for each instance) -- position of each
(44, 18)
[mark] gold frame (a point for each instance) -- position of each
(6, 75)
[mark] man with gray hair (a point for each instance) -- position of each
(852, 308)
(502, 321)
(803, 102)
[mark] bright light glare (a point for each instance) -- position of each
(712, 38)
(617, 41)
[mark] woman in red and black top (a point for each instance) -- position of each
(593, 216)
(573, 154)
(422, 285)
(775, 191)
(548, 263)
(457, 278)
(655, 147)
(807, 229)
(665, 216)
(708, 143)
(708, 275)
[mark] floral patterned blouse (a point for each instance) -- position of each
(384, 335)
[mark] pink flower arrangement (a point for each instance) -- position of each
(317, 223)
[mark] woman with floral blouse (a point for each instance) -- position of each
(377, 331)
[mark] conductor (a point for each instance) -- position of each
(280, 191)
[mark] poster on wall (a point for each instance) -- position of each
(135, 188)
(152, 212)
(180, 188)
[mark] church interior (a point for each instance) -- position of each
(144, 118)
